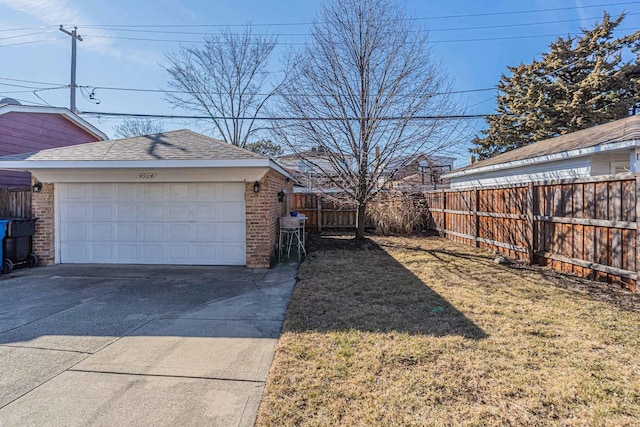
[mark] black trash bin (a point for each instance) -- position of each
(17, 244)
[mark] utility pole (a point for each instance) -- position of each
(74, 37)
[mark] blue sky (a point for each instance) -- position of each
(474, 41)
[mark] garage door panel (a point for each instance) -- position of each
(126, 212)
(207, 212)
(179, 193)
(153, 232)
(100, 212)
(101, 252)
(75, 192)
(230, 232)
(152, 252)
(76, 212)
(101, 191)
(126, 193)
(221, 212)
(127, 252)
(75, 251)
(176, 232)
(205, 232)
(206, 193)
(228, 193)
(178, 212)
(203, 253)
(153, 192)
(231, 252)
(153, 212)
(179, 252)
(159, 223)
(99, 231)
(126, 232)
(76, 231)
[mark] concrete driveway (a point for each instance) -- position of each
(138, 345)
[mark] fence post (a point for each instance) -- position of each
(476, 218)
(319, 210)
(637, 232)
(530, 224)
(444, 214)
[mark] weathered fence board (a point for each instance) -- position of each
(15, 202)
(324, 214)
(586, 227)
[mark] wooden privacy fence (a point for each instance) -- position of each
(324, 214)
(587, 227)
(15, 202)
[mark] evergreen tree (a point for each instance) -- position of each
(581, 82)
(266, 147)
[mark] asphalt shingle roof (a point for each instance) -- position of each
(175, 145)
(626, 129)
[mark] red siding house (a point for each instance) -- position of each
(25, 128)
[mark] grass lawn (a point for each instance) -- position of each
(423, 331)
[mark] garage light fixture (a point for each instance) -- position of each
(256, 187)
(281, 195)
(37, 187)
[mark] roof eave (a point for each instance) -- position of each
(275, 166)
(581, 152)
(130, 164)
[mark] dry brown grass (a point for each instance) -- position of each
(396, 212)
(422, 331)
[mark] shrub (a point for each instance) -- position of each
(395, 212)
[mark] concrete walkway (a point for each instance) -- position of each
(138, 345)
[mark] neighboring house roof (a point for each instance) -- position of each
(10, 108)
(175, 145)
(311, 154)
(573, 144)
(316, 162)
(180, 148)
(402, 161)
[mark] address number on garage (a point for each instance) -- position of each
(147, 175)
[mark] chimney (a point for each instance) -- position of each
(314, 149)
(472, 159)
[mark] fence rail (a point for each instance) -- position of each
(586, 227)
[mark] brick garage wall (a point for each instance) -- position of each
(42, 205)
(263, 211)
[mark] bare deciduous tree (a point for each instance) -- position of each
(136, 127)
(366, 89)
(225, 80)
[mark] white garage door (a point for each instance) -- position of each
(152, 223)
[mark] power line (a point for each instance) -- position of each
(6, 30)
(25, 35)
(128, 89)
(470, 15)
(19, 85)
(32, 41)
(30, 81)
(16, 91)
(430, 30)
(31, 102)
(389, 118)
(476, 39)
(482, 39)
